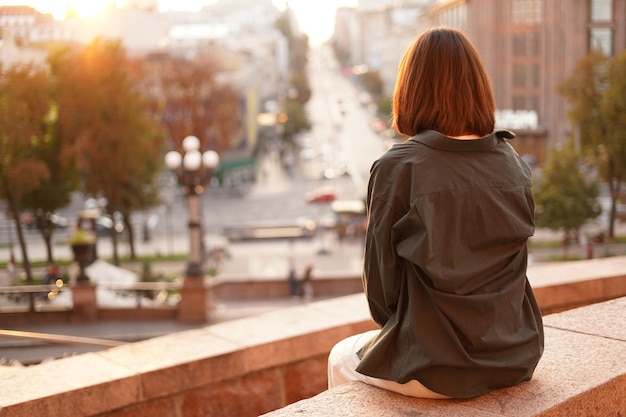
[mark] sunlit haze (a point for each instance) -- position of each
(316, 18)
(59, 8)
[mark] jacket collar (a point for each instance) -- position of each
(434, 139)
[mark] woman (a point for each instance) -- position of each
(450, 211)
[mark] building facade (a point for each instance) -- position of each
(529, 48)
(376, 33)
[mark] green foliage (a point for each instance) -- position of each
(24, 105)
(596, 92)
(372, 82)
(565, 197)
(384, 106)
(297, 119)
(299, 90)
(24, 113)
(81, 237)
(108, 131)
(583, 91)
(55, 192)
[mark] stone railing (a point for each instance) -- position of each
(259, 364)
(239, 368)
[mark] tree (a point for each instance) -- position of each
(142, 192)
(595, 91)
(115, 142)
(55, 192)
(299, 90)
(565, 196)
(372, 82)
(24, 108)
(187, 98)
(612, 152)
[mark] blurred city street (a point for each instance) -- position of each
(341, 127)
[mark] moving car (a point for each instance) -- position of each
(59, 222)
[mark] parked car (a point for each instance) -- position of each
(105, 223)
(59, 222)
(321, 195)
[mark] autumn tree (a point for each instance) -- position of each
(55, 152)
(565, 194)
(55, 193)
(24, 122)
(188, 99)
(595, 91)
(142, 191)
(115, 142)
(612, 152)
(299, 89)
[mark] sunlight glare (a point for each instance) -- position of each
(85, 9)
(79, 8)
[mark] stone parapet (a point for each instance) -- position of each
(262, 364)
(581, 374)
(239, 368)
(560, 286)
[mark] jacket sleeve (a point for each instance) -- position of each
(381, 272)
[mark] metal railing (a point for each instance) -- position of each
(58, 339)
(22, 294)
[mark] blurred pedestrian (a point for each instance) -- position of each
(11, 269)
(51, 275)
(450, 211)
(307, 283)
(294, 282)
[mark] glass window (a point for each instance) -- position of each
(519, 44)
(455, 16)
(601, 10)
(601, 39)
(526, 43)
(526, 12)
(526, 75)
(526, 102)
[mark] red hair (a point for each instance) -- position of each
(442, 85)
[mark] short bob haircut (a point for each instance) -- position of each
(442, 85)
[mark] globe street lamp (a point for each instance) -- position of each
(193, 170)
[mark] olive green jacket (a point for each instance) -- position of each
(445, 265)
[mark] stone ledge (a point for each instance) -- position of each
(261, 358)
(582, 373)
(278, 358)
(565, 285)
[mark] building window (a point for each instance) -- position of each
(601, 10)
(601, 39)
(526, 12)
(526, 44)
(454, 16)
(526, 102)
(526, 75)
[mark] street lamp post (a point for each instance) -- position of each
(193, 170)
